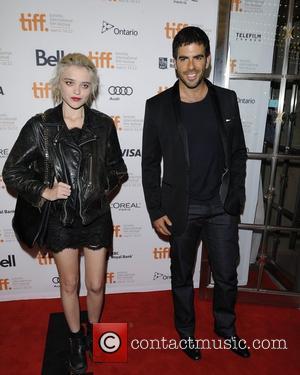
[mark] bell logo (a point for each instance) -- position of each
(33, 22)
(1, 91)
(161, 253)
(117, 121)
(41, 59)
(44, 260)
(232, 65)
(172, 29)
(4, 284)
(110, 278)
(10, 261)
(101, 59)
(117, 231)
(41, 90)
(236, 6)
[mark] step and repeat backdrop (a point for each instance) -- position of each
(130, 43)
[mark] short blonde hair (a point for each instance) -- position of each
(77, 59)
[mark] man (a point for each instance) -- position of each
(195, 128)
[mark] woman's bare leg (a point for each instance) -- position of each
(95, 270)
(67, 263)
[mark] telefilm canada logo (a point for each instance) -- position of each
(120, 31)
(248, 36)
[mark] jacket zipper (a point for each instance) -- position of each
(223, 174)
(78, 184)
(90, 170)
(65, 202)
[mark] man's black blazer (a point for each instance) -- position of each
(165, 138)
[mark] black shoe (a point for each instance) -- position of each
(77, 358)
(236, 345)
(189, 347)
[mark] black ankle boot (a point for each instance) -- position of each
(77, 358)
(89, 338)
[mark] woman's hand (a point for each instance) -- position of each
(59, 190)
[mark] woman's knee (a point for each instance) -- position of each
(95, 287)
(69, 286)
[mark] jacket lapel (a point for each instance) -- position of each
(180, 127)
(220, 119)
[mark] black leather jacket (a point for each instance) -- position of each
(93, 167)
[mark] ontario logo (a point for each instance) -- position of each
(106, 26)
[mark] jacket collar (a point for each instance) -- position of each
(218, 112)
(54, 118)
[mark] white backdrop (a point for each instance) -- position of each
(130, 43)
(251, 42)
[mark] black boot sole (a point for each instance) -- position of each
(76, 372)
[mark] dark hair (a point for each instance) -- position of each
(189, 35)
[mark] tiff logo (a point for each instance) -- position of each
(173, 28)
(233, 65)
(236, 6)
(44, 260)
(4, 284)
(161, 253)
(110, 278)
(117, 121)
(33, 22)
(161, 89)
(117, 231)
(101, 59)
(41, 90)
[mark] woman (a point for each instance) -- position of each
(85, 166)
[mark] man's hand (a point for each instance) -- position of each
(59, 190)
(160, 225)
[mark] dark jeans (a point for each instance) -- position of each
(219, 232)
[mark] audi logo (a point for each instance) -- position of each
(120, 90)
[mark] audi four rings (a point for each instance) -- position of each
(120, 90)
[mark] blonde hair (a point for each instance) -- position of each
(71, 59)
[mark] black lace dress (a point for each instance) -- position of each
(95, 236)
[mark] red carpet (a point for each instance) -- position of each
(24, 324)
